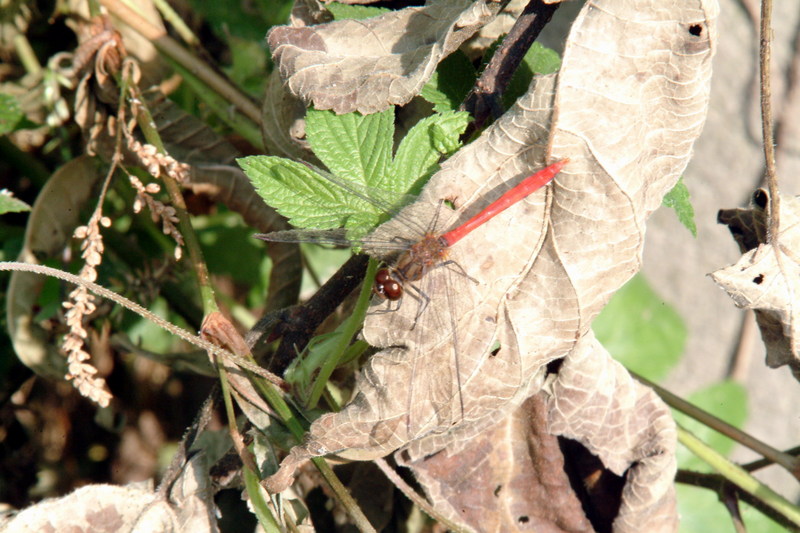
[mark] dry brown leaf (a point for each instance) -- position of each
(111, 508)
(594, 401)
(283, 122)
(629, 102)
(767, 277)
(509, 478)
(368, 65)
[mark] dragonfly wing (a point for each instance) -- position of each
(335, 237)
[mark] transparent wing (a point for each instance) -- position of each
(334, 237)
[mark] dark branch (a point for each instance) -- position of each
(297, 324)
(494, 79)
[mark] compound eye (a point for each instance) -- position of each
(386, 286)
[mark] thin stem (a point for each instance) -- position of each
(788, 462)
(355, 512)
(418, 500)
(176, 22)
(495, 78)
(26, 54)
(207, 82)
(765, 57)
(348, 329)
(739, 476)
(141, 311)
(719, 484)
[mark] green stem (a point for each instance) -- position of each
(790, 463)
(343, 495)
(176, 22)
(347, 330)
(150, 131)
(738, 476)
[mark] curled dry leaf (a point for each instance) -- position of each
(767, 277)
(111, 508)
(626, 107)
(283, 122)
(368, 65)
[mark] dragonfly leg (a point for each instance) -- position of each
(458, 269)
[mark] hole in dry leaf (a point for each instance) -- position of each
(523, 519)
(696, 30)
(495, 348)
(450, 203)
(554, 366)
(497, 490)
(758, 280)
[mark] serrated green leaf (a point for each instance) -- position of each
(726, 400)
(307, 199)
(641, 331)
(423, 146)
(344, 11)
(9, 204)
(451, 82)
(11, 114)
(679, 200)
(354, 147)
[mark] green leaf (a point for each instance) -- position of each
(307, 199)
(9, 204)
(11, 115)
(451, 82)
(641, 331)
(250, 22)
(679, 200)
(726, 400)
(345, 11)
(424, 145)
(216, 232)
(366, 184)
(538, 60)
(249, 61)
(701, 511)
(541, 60)
(354, 147)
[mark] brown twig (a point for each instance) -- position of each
(493, 81)
(765, 56)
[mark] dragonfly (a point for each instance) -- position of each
(430, 251)
(407, 259)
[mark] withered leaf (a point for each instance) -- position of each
(368, 65)
(111, 508)
(767, 277)
(625, 108)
